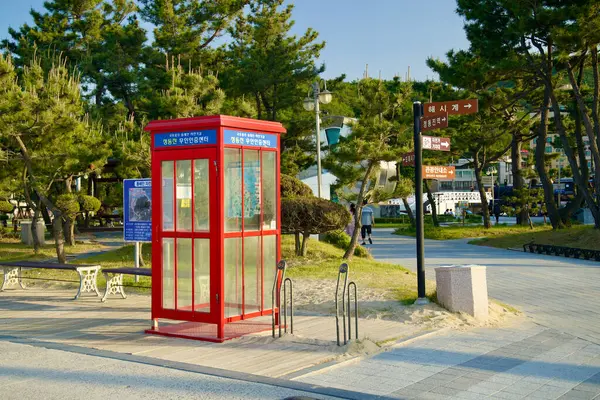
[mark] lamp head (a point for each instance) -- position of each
(308, 104)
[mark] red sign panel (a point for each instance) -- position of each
(408, 159)
(438, 172)
(435, 121)
(435, 143)
(469, 106)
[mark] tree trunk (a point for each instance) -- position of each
(359, 206)
(34, 228)
(484, 203)
(518, 181)
(297, 243)
(434, 217)
(56, 225)
(69, 231)
(59, 240)
(305, 238)
(411, 215)
(540, 164)
(141, 255)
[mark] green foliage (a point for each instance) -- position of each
(294, 187)
(312, 215)
(88, 203)
(341, 240)
(6, 206)
(68, 204)
(529, 200)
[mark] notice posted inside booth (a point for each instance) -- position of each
(216, 225)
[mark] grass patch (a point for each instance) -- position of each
(14, 250)
(580, 236)
(465, 232)
(323, 261)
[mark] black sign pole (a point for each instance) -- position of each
(418, 112)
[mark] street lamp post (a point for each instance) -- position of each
(324, 97)
(558, 192)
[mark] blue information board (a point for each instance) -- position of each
(137, 210)
(192, 138)
(253, 139)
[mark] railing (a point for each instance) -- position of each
(574, 252)
(281, 282)
(344, 269)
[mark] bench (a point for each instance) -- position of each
(114, 284)
(87, 274)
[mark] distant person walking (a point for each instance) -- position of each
(367, 221)
(350, 227)
(497, 212)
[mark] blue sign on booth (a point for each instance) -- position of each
(253, 139)
(137, 210)
(192, 138)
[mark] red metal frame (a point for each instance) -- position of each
(217, 235)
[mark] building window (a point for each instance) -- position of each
(548, 149)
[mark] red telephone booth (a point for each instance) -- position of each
(216, 223)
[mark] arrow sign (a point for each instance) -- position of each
(458, 107)
(434, 121)
(438, 172)
(435, 143)
(408, 159)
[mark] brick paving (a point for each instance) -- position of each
(554, 354)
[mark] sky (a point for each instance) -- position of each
(388, 35)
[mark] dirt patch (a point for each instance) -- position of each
(318, 296)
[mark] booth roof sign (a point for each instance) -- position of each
(438, 172)
(434, 121)
(457, 107)
(253, 139)
(436, 143)
(191, 138)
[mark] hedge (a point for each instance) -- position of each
(293, 187)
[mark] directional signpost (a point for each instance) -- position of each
(438, 172)
(408, 159)
(434, 121)
(436, 143)
(458, 107)
(428, 117)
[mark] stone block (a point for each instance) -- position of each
(27, 236)
(463, 289)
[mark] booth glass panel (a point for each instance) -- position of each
(269, 190)
(168, 273)
(201, 196)
(202, 275)
(252, 274)
(269, 256)
(184, 274)
(233, 277)
(233, 190)
(183, 192)
(167, 195)
(252, 206)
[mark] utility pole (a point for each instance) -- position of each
(417, 113)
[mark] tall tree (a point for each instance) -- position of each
(267, 63)
(43, 120)
(377, 136)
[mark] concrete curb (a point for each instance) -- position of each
(217, 372)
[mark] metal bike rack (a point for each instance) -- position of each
(281, 282)
(344, 270)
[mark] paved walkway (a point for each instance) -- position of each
(557, 292)
(554, 353)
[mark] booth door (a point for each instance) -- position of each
(187, 234)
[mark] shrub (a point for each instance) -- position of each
(311, 215)
(341, 240)
(68, 205)
(6, 206)
(89, 203)
(293, 187)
